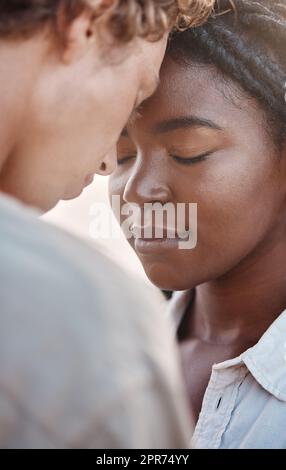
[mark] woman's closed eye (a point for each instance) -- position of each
(191, 160)
(181, 160)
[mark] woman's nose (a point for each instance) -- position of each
(147, 184)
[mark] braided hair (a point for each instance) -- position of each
(246, 41)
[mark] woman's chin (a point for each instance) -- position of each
(165, 277)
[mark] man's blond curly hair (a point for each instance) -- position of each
(126, 19)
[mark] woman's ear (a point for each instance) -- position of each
(80, 32)
(282, 164)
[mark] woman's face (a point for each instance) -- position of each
(198, 140)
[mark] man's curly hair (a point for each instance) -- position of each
(126, 19)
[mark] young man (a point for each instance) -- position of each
(71, 74)
(81, 365)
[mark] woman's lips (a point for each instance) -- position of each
(155, 245)
(158, 240)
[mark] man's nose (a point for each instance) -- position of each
(109, 164)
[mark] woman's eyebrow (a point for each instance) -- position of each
(184, 122)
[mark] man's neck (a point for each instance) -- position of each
(19, 65)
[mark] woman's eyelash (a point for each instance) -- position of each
(181, 160)
(191, 160)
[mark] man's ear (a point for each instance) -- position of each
(80, 32)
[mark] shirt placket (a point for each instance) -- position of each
(218, 404)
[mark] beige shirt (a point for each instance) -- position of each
(87, 359)
(244, 406)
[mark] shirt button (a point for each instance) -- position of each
(220, 399)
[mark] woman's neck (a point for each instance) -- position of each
(241, 305)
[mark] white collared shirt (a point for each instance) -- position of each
(244, 406)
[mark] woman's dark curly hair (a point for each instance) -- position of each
(126, 18)
(246, 41)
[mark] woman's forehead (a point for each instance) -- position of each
(198, 90)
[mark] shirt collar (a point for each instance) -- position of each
(266, 361)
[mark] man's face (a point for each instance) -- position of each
(74, 118)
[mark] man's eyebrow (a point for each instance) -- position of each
(136, 112)
(184, 122)
(156, 83)
(135, 115)
(124, 133)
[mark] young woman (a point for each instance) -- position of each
(214, 134)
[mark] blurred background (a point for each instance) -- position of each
(75, 217)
